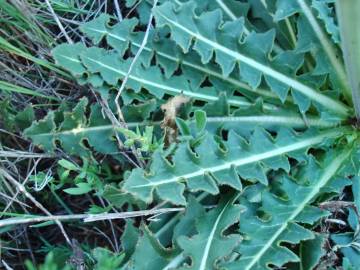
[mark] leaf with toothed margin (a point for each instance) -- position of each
(210, 244)
(312, 37)
(285, 8)
(149, 253)
(112, 68)
(235, 158)
(312, 250)
(44, 125)
(211, 36)
(73, 130)
(325, 13)
(280, 217)
(122, 36)
(68, 56)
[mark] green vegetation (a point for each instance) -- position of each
(179, 134)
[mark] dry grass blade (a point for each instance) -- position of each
(56, 18)
(22, 189)
(141, 48)
(22, 154)
(88, 217)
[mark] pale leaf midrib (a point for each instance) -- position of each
(328, 48)
(282, 150)
(189, 64)
(210, 238)
(235, 102)
(293, 121)
(294, 84)
(285, 120)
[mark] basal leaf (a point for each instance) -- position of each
(262, 244)
(122, 36)
(149, 254)
(112, 68)
(324, 51)
(238, 157)
(186, 224)
(73, 130)
(311, 251)
(210, 244)
(210, 36)
(348, 244)
(129, 238)
(325, 13)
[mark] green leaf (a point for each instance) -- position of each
(323, 50)
(186, 224)
(67, 165)
(201, 171)
(129, 238)
(25, 118)
(95, 209)
(46, 125)
(200, 120)
(311, 251)
(82, 188)
(49, 264)
(118, 198)
(243, 120)
(73, 130)
(149, 254)
(183, 127)
(349, 246)
(167, 54)
(106, 260)
(96, 29)
(112, 69)
(207, 247)
(263, 238)
(65, 56)
(285, 9)
(211, 36)
(325, 13)
(347, 265)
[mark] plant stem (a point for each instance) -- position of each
(348, 12)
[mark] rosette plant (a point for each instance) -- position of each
(244, 114)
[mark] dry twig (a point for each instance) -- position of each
(141, 48)
(88, 217)
(22, 189)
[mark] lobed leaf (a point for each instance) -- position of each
(122, 36)
(73, 130)
(211, 36)
(313, 38)
(112, 68)
(264, 238)
(203, 171)
(210, 244)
